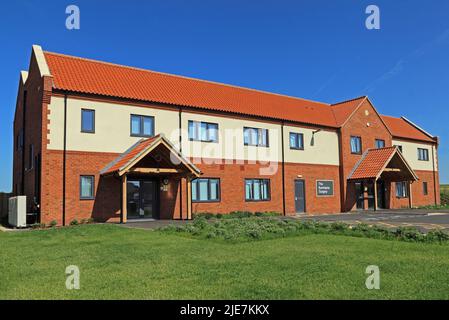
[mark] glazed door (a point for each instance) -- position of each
(300, 197)
(142, 199)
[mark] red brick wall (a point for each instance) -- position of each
(310, 174)
(38, 94)
(418, 197)
(106, 205)
(357, 125)
(232, 183)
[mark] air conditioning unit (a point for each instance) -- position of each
(17, 211)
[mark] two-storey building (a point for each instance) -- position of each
(94, 139)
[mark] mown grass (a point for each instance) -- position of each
(121, 263)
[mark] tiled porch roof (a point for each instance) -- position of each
(374, 162)
(138, 150)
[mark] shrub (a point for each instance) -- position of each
(53, 223)
(219, 216)
(83, 221)
(409, 234)
(339, 226)
(74, 222)
(437, 236)
(200, 222)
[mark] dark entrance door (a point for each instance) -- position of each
(300, 196)
(381, 195)
(360, 195)
(142, 199)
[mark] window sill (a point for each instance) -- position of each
(205, 141)
(84, 199)
(206, 201)
(141, 136)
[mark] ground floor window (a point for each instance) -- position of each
(401, 189)
(87, 184)
(206, 190)
(257, 189)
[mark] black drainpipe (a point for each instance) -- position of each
(24, 105)
(64, 158)
(180, 150)
(283, 169)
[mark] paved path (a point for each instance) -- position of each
(424, 220)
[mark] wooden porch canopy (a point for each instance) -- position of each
(387, 164)
(152, 156)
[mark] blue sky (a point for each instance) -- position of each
(317, 50)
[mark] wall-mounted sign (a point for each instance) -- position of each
(324, 188)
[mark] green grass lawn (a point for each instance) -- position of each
(121, 263)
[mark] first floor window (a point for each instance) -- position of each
(380, 143)
(425, 189)
(87, 121)
(255, 137)
(296, 141)
(203, 131)
(356, 145)
(257, 189)
(206, 190)
(87, 187)
(142, 126)
(401, 189)
(423, 154)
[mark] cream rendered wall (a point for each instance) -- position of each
(410, 152)
(112, 134)
(230, 141)
(323, 151)
(112, 125)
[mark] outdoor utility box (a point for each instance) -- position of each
(17, 214)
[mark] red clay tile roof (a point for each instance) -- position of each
(96, 77)
(402, 129)
(129, 155)
(343, 110)
(372, 162)
(102, 78)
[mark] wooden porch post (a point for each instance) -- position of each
(375, 194)
(410, 200)
(189, 198)
(124, 200)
